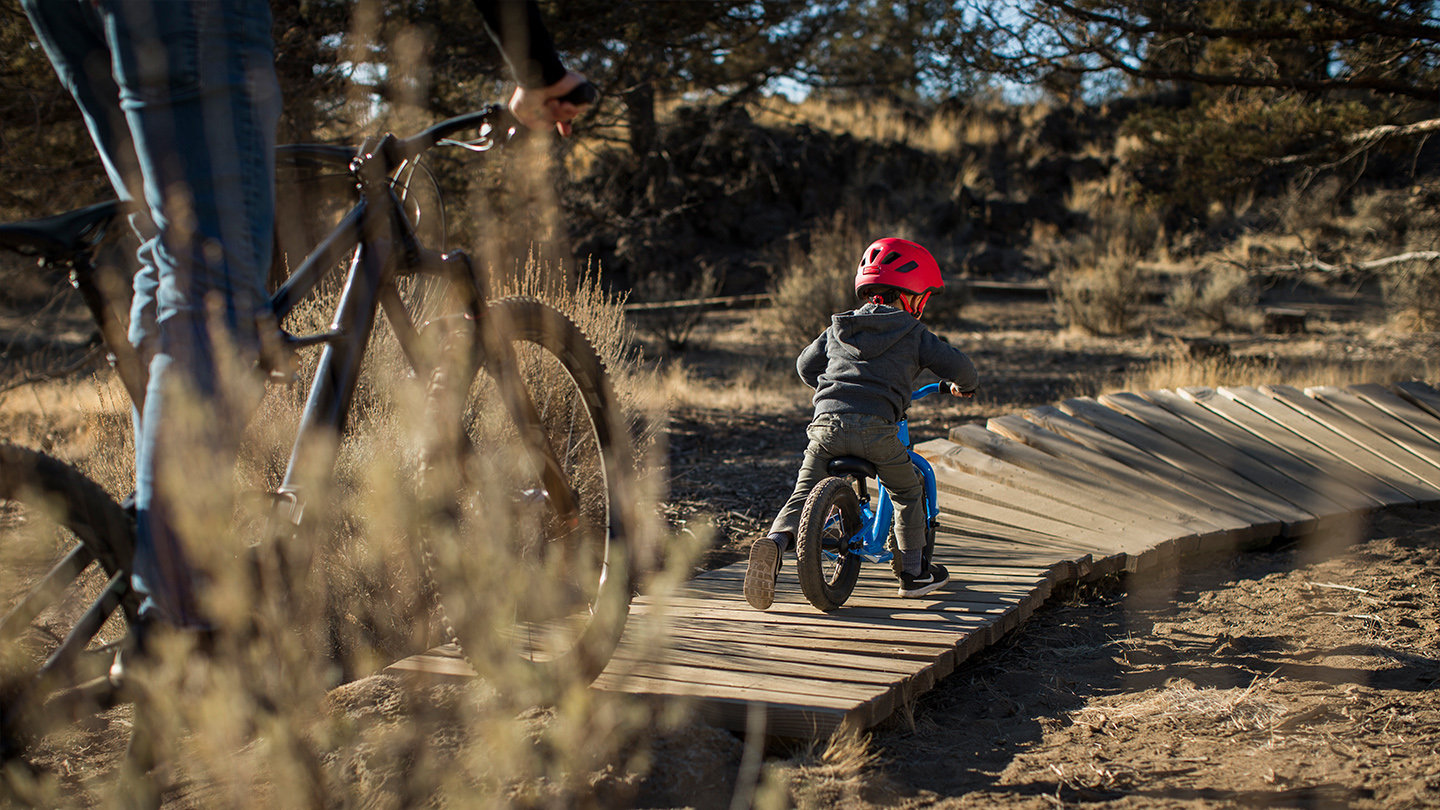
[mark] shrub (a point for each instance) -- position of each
(1218, 298)
(1101, 296)
(1412, 293)
(819, 281)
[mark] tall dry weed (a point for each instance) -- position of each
(818, 280)
(1412, 293)
(263, 716)
(1222, 298)
(1102, 296)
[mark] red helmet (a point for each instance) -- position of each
(901, 264)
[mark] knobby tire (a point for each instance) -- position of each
(565, 495)
(65, 606)
(832, 513)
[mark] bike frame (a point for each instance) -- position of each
(383, 247)
(870, 540)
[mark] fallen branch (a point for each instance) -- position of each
(1372, 264)
(1365, 139)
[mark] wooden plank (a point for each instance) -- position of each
(968, 535)
(771, 689)
(1263, 449)
(732, 576)
(1006, 516)
(912, 649)
(983, 488)
(947, 454)
(1422, 394)
(1228, 456)
(1127, 478)
(968, 494)
(1384, 423)
(1326, 439)
(949, 599)
(780, 719)
(1417, 477)
(1189, 462)
(869, 622)
(1058, 421)
(1046, 469)
(1266, 429)
(824, 667)
(1419, 419)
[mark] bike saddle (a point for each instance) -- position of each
(851, 465)
(62, 235)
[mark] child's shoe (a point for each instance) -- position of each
(928, 580)
(762, 572)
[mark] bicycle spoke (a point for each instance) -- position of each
(45, 591)
(64, 657)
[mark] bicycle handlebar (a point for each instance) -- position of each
(497, 117)
(927, 390)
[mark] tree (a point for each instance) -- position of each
(1260, 82)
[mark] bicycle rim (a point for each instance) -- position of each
(65, 606)
(533, 578)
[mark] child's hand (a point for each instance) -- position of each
(955, 391)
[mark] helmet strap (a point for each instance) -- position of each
(877, 299)
(914, 303)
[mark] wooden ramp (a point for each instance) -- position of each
(1089, 487)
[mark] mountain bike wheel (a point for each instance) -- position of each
(65, 607)
(532, 573)
(827, 566)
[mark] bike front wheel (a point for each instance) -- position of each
(531, 569)
(828, 566)
(65, 607)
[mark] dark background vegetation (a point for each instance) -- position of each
(1185, 119)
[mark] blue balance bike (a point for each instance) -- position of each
(839, 527)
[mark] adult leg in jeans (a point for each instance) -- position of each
(194, 84)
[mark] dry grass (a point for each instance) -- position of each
(1103, 296)
(1223, 298)
(818, 280)
(255, 720)
(1241, 710)
(1181, 370)
(751, 389)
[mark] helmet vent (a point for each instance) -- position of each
(890, 257)
(907, 267)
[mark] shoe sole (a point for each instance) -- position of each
(760, 574)
(923, 589)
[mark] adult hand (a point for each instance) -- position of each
(539, 107)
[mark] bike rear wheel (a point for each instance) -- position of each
(828, 567)
(65, 607)
(531, 572)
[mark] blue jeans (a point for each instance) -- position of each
(181, 98)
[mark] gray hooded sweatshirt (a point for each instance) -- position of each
(868, 359)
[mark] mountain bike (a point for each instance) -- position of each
(839, 528)
(515, 382)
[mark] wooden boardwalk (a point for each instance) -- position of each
(1089, 487)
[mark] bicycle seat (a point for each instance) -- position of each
(60, 236)
(851, 465)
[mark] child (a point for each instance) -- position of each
(863, 369)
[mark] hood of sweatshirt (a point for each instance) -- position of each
(872, 329)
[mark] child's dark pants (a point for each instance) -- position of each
(876, 440)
